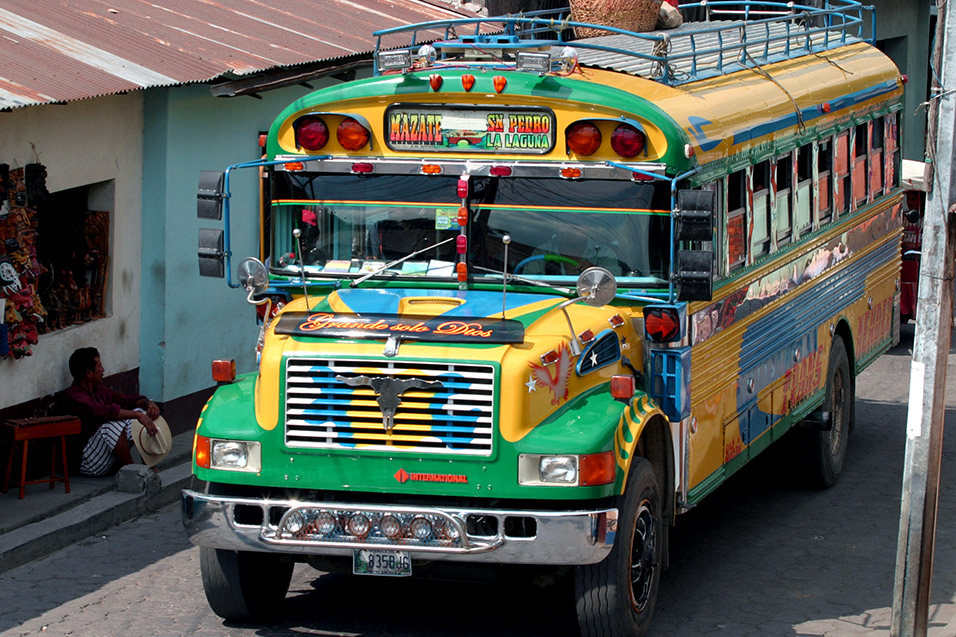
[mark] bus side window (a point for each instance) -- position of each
(825, 179)
(760, 209)
(891, 141)
(841, 166)
(860, 145)
(782, 198)
(803, 200)
(875, 167)
(736, 209)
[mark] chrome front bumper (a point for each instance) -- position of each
(557, 537)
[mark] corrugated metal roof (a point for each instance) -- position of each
(64, 50)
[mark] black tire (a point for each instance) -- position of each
(828, 447)
(617, 595)
(244, 586)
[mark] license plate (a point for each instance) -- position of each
(370, 562)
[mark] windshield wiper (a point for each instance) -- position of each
(397, 261)
(522, 279)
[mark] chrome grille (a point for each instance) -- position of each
(324, 413)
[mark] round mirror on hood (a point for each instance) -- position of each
(253, 276)
(596, 286)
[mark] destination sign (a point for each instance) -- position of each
(433, 128)
(413, 328)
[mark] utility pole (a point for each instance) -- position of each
(934, 314)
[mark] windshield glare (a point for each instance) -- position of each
(364, 223)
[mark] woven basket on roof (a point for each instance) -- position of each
(633, 15)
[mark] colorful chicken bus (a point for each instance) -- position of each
(528, 297)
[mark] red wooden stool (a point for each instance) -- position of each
(27, 429)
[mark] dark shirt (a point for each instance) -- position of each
(93, 409)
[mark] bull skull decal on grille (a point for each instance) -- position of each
(389, 390)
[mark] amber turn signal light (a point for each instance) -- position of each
(201, 451)
(597, 468)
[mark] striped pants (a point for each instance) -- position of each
(98, 456)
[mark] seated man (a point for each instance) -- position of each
(106, 415)
(576, 253)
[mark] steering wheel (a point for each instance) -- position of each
(547, 258)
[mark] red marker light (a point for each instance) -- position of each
(500, 82)
(463, 187)
(467, 81)
(463, 216)
(622, 387)
(586, 336)
(500, 171)
(462, 270)
(549, 358)
(435, 81)
(362, 167)
(224, 371)
(461, 244)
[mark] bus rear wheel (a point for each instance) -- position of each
(827, 446)
(244, 586)
(617, 595)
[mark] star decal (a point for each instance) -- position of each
(532, 384)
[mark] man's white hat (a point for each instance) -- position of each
(152, 448)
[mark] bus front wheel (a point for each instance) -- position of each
(244, 586)
(827, 445)
(617, 595)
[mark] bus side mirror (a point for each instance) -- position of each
(695, 215)
(695, 275)
(211, 256)
(694, 221)
(209, 199)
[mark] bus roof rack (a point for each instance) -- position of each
(756, 33)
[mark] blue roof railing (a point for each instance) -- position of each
(762, 32)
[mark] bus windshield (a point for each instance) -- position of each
(364, 223)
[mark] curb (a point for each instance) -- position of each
(99, 513)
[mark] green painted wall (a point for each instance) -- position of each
(188, 320)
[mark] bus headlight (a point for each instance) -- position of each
(568, 470)
(236, 455)
(541, 469)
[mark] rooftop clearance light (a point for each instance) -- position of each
(394, 60)
(467, 81)
(435, 81)
(500, 82)
(533, 62)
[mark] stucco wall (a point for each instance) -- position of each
(83, 143)
(190, 320)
